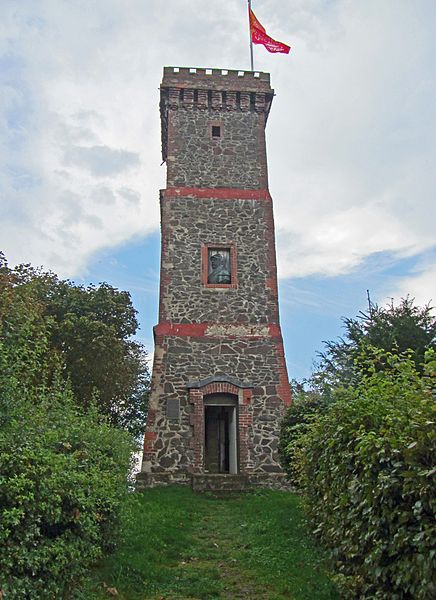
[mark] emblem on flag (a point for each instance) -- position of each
(260, 36)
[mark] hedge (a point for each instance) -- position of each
(62, 480)
(369, 482)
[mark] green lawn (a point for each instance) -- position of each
(178, 545)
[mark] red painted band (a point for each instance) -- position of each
(199, 330)
(181, 329)
(223, 193)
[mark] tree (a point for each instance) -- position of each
(393, 328)
(89, 332)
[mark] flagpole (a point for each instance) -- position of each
(251, 39)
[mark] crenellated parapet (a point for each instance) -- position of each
(216, 79)
(217, 89)
(235, 102)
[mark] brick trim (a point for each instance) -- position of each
(149, 438)
(199, 330)
(197, 423)
(245, 421)
(220, 387)
(283, 389)
(217, 193)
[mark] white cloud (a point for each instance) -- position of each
(350, 136)
(353, 139)
(100, 160)
(421, 285)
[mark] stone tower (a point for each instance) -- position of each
(219, 383)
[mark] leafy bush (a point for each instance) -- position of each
(63, 477)
(369, 480)
(63, 471)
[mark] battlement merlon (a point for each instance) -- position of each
(216, 79)
(214, 90)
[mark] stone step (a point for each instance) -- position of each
(216, 483)
(220, 483)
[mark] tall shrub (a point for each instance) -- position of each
(401, 327)
(63, 471)
(63, 478)
(369, 480)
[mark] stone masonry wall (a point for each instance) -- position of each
(195, 158)
(190, 222)
(178, 360)
(206, 332)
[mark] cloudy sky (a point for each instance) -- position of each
(351, 144)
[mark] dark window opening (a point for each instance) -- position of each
(216, 131)
(217, 428)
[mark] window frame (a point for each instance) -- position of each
(205, 248)
(216, 124)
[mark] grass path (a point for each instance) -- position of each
(178, 546)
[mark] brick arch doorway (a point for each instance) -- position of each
(223, 385)
(221, 433)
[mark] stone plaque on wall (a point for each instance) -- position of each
(173, 409)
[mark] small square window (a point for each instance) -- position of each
(216, 131)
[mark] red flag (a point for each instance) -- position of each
(259, 36)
